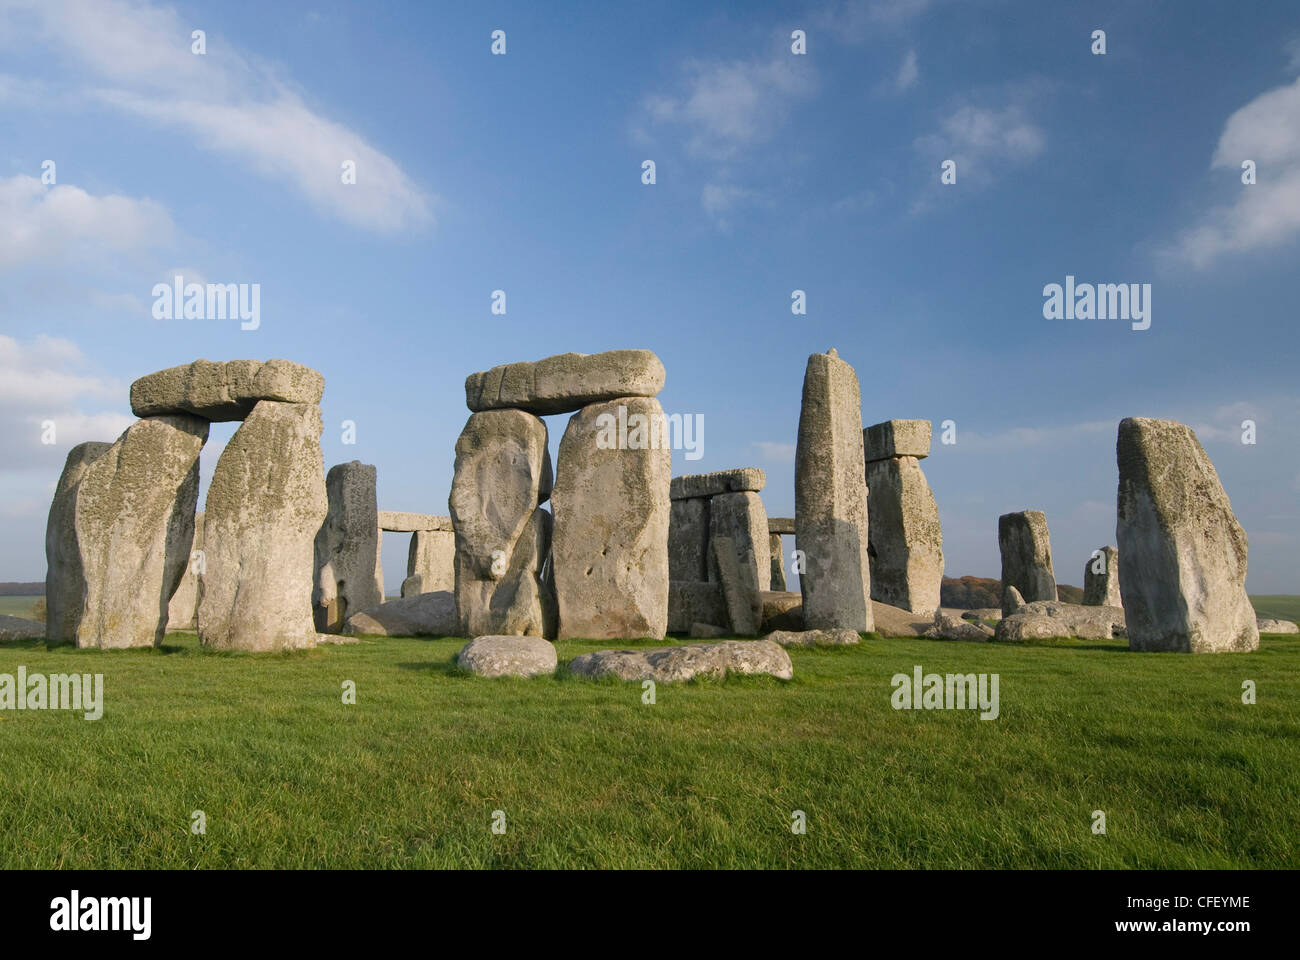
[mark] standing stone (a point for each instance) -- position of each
(135, 522)
(266, 503)
(744, 605)
(430, 563)
(831, 499)
(776, 552)
(905, 542)
(1183, 581)
(65, 580)
(740, 518)
(688, 539)
(1027, 555)
(183, 612)
(1101, 579)
(502, 475)
(348, 572)
(611, 524)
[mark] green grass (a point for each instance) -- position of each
(589, 776)
(1277, 606)
(18, 606)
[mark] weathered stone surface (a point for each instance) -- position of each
(348, 572)
(1052, 618)
(676, 664)
(984, 613)
(741, 480)
(1027, 554)
(948, 627)
(224, 391)
(692, 601)
(65, 580)
(781, 525)
(814, 638)
(707, 631)
(1277, 626)
(782, 610)
(424, 615)
(740, 518)
(430, 562)
(566, 382)
(688, 539)
(502, 474)
(396, 521)
(905, 544)
(831, 498)
(508, 656)
(891, 621)
(896, 438)
(134, 516)
(183, 611)
(611, 529)
(1101, 579)
(1012, 601)
(20, 628)
(1183, 580)
(744, 608)
(776, 581)
(266, 503)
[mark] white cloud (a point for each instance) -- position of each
(43, 223)
(1026, 438)
(725, 107)
(719, 201)
(776, 452)
(853, 21)
(1266, 214)
(227, 102)
(907, 73)
(981, 138)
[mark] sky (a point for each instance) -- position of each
(775, 171)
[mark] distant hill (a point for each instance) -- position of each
(972, 593)
(22, 589)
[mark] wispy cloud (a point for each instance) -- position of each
(907, 73)
(232, 104)
(981, 139)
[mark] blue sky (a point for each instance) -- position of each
(775, 172)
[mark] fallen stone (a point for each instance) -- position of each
(395, 521)
(1027, 554)
(20, 628)
(424, 615)
(224, 391)
(782, 610)
(948, 627)
(1101, 579)
(813, 638)
(610, 554)
(831, 498)
(691, 601)
(508, 656)
(348, 572)
(1277, 626)
(905, 544)
(688, 539)
(891, 621)
(896, 438)
(984, 613)
(135, 508)
(1183, 580)
(266, 503)
(742, 480)
(65, 580)
(566, 382)
(678, 664)
(183, 611)
(1068, 620)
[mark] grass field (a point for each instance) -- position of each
(709, 776)
(18, 606)
(1277, 606)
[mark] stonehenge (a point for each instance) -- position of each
(1101, 578)
(1183, 580)
(1026, 555)
(431, 556)
(776, 526)
(830, 493)
(349, 576)
(183, 612)
(905, 545)
(565, 383)
(65, 578)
